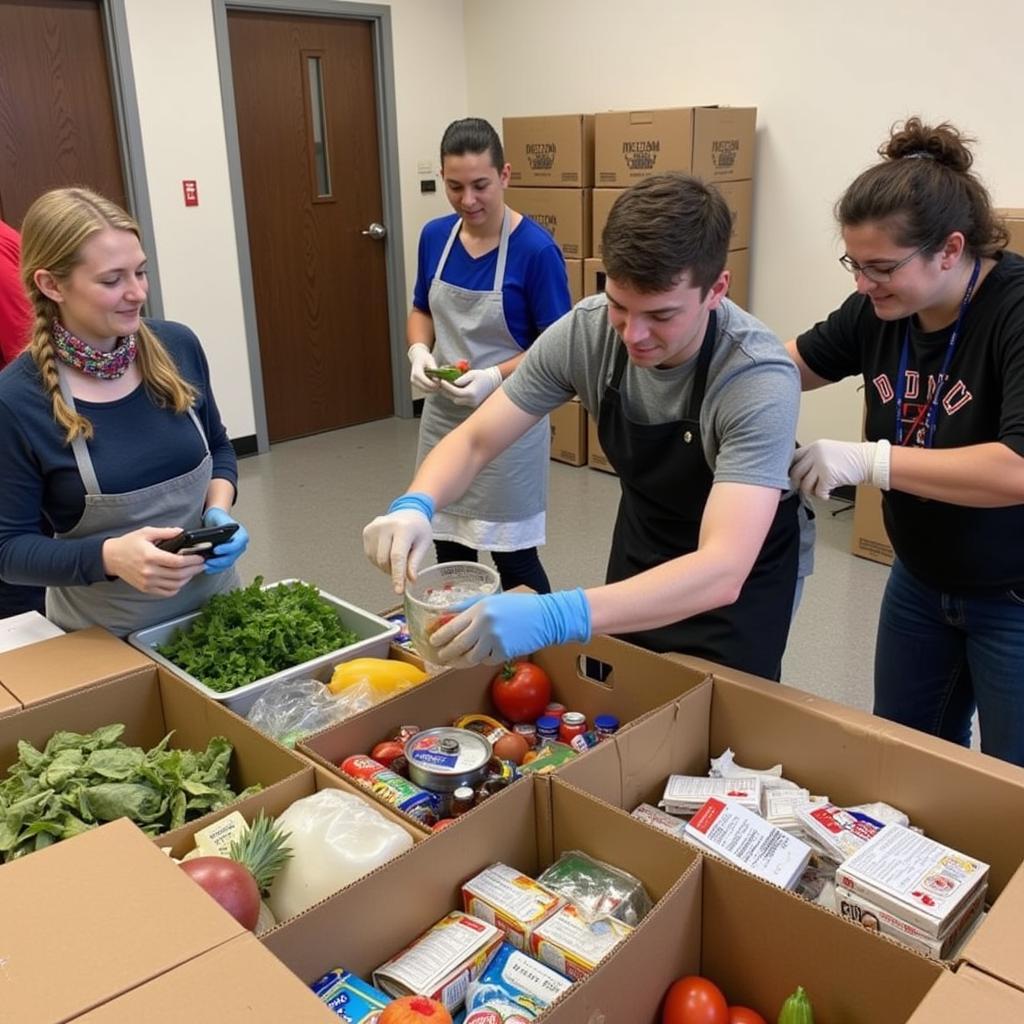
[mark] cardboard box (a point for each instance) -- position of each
(8, 705)
(85, 921)
(603, 201)
(708, 919)
(63, 664)
(569, 434)
(739, 196)
(237, 983)
(738, 265)
(526, 827)
(151, 703)
(564, 213)
(26, 628)
(969, 995)
(713, 143)
(596, 458)
(553, 151)
(967, 800)
(1014, 219)
(635, 682)
(593, 277)
(869, 538)
(574, 272)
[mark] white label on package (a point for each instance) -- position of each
(534, 978)
(424, 965)
(913, 875)
(743, 838)
(588, 942)
(693, 790)
(512, 893)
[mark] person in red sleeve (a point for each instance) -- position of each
(15, 312)
(15, 319)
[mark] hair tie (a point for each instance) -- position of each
(920, 154)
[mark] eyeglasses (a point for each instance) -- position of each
(880, 275)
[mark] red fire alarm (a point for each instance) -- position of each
(191, 193)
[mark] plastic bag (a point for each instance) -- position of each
(597, 889)
(294, 708)
(335, 837)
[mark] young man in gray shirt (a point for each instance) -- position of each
(696, 403)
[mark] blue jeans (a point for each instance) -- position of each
(938, 656)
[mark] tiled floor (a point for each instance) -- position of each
(306, 502)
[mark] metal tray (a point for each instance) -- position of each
(374, 638)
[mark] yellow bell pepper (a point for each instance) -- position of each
(385, 675)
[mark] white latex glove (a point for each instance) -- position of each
(397, 543)
(422, 359)
(821, 467)
(473, 386)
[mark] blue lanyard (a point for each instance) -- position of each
(940, 383)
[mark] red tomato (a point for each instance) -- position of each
(387, 751)
(521, 691)
(745, 1015)
(694, 1000)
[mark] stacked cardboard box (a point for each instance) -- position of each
(712, 143)
(552, 176)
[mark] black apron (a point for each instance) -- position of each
(665, 483)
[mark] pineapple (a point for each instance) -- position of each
(263, 850)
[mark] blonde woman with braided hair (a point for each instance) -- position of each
(108, 425)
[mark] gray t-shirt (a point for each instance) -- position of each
(749, 415)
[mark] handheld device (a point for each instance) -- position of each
(198, 542)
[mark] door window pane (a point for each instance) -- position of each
(321, 167)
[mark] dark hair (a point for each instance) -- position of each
(665, 226)
(472, 135)
(925, 189)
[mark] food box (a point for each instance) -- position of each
(373, 632)
(514, 902)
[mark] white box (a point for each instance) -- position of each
(914, 877)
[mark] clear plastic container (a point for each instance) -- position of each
(436, 589)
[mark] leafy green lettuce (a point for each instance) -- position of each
(246, 634)
(80, 780)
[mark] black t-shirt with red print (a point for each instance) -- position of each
(949, 547)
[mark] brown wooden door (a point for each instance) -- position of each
(307, 129)
(57, 123)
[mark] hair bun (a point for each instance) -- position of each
(942, 143)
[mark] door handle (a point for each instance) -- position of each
(376, 231)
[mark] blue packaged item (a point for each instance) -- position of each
(351, 998)
(514, 988)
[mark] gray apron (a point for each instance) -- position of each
(471, 325)
(176, 502)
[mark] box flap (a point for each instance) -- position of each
(997, 947)
(234, 984)
(969, 995)
(86, 920)
(66, 663)
(8, 705)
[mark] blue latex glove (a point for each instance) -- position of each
(224, 555)
(495, 629)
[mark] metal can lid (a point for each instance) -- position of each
(464, 793)
(548, 722)
(448, 751)
(607, 722)
(526, 728)
(554, 708)
(574, 718)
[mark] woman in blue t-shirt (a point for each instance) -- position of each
(489, 282)
(108, 427)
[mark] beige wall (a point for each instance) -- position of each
(828, 78)
(177, 80)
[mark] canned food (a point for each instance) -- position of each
(443, 759)
(547, 728)
(556, 709)
(392, 788)
(606, 726)
(528, 731)
(573, 724)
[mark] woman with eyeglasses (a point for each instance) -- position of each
(936, 330)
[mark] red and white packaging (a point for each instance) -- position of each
(915, 878)
(745, 839)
